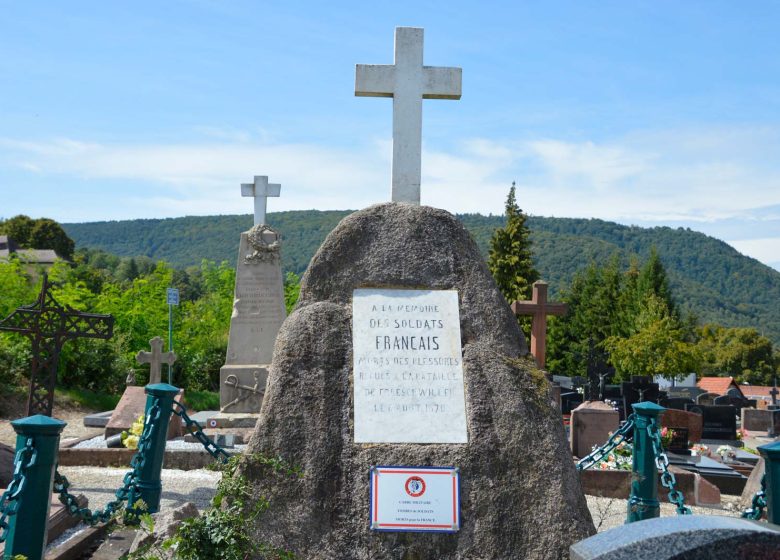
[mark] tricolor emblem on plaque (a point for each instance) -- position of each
(415, 499)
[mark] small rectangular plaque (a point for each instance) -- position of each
(415, 499)
(173, 296)
(408, 367)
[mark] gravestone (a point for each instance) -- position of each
(258, 312)
(677, 403)
(689, 537)
(692, 422)
(707, 399)
(133, 401)
(640, 389)
(591, 424)
(373, 373)
(718, 422)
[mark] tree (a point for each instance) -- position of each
(48, 234)
(656, 348)
(740, 352)
(510, 259)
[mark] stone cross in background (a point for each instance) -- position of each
(156, 358)
(408, 82)
(260, 190)
(539, 308)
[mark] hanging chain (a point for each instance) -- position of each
(624, 433)
(194, 427)
(9, 502)
(129, 483)
(668, 479)
(759, 503)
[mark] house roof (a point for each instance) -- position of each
(717, 385)
(754, 391)
(40, 256)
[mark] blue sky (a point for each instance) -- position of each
(647, 113)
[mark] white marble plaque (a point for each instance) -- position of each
(408, 367)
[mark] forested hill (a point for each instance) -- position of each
(707, 276)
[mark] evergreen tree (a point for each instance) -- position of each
(510, 259)
(652, 280)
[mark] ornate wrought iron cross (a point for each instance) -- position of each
(49, 324)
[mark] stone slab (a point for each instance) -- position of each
(232, 421)
(760, 420)
(591, 424)
(674, 418)
(617, 484)
(98, 420)
(120, 458)
(693, 537)
(408, 367)
(131, 406)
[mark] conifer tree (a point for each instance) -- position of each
(510, 259)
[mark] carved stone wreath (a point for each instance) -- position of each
(262, 250)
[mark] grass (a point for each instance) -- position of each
(201, 400)
(88, 399)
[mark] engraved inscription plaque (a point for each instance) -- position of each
(408, 367)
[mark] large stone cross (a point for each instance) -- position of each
(539, 308)
(260, 190)
(156, 358)
(49, 324)
(408, 82)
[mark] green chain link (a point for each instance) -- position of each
(9, 502)
(194, 427)
(668, 479)
(129, 488)
(759, 503)
(624, 433)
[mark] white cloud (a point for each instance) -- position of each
(766, 250)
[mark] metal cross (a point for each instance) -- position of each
(260, 190)
(539, 308)
(49, 324)
(156, 358)
(408, 82)
(774, 392)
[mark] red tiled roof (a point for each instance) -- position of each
(717, 385)
(756, 391)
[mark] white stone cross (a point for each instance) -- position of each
(408, 82)
(156, 358)
(260, 190)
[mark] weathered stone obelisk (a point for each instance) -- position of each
(258, 312)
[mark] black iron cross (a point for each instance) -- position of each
(49, 324)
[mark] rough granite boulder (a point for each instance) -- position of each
(520, 493)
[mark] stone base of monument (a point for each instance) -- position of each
(225, 421)
(241, 388)
(98, 419)
(693, 537)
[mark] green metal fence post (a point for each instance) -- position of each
(771, 454)
(148, 482)
(29, 527)
(643, 502)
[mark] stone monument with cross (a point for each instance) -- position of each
(402, 389)
(49, 325)
(258, 312)
(539, 308)
(408, 82)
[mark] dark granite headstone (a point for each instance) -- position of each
(570, 401)
(718, 422)
(722, 400)
(689, 537)
(677, 403)
(679, 441)
(685, 392)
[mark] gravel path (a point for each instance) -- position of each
(99, 484)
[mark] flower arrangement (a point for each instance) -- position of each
(699, 449)
(619, 459)
(726, 453)
(666, 437)
(130, 438)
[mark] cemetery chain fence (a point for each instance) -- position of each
(621, 435)
(9, 503)
(756, 509)
(24, 506)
